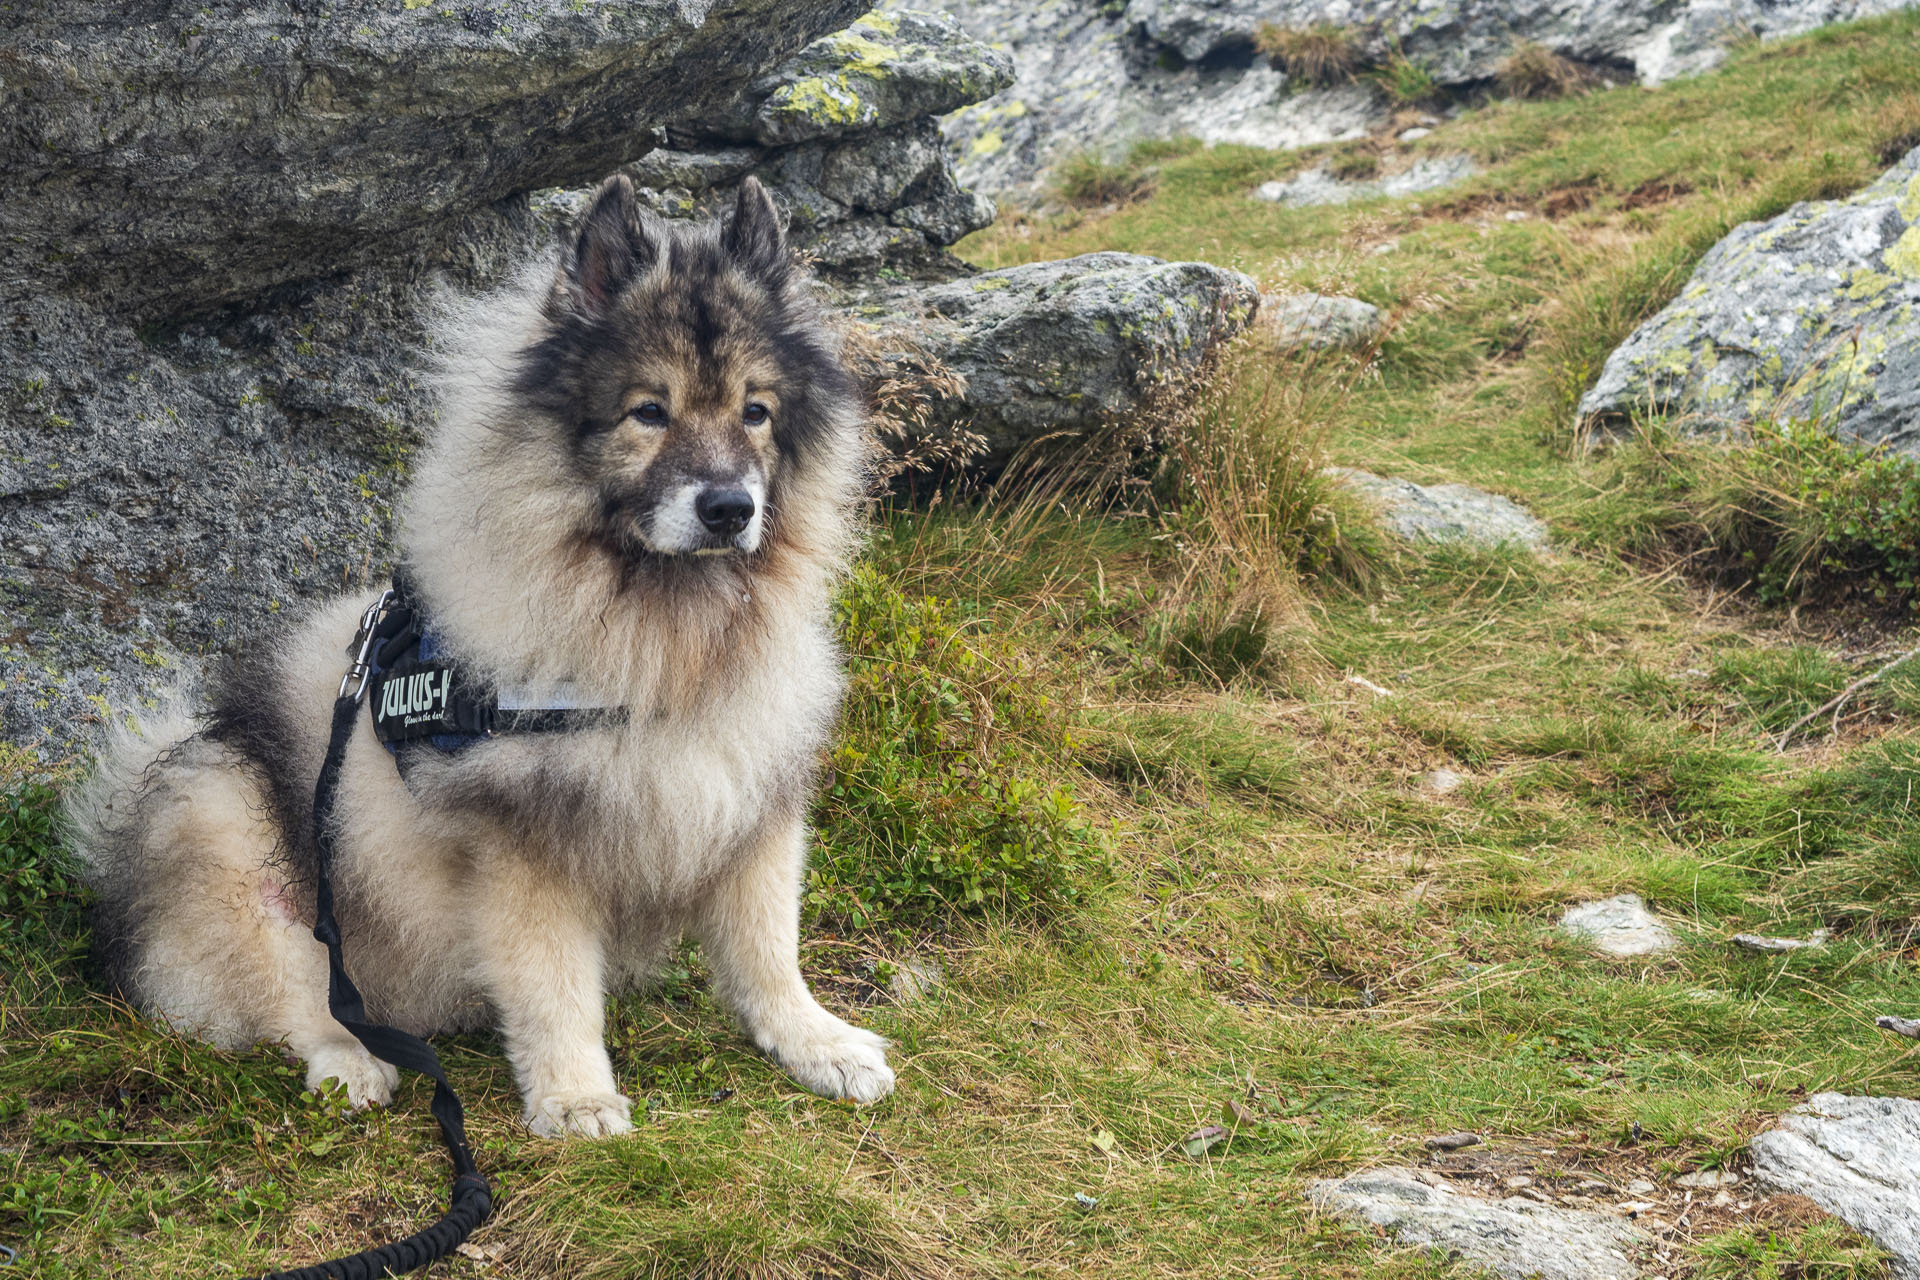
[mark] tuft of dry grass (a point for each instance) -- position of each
(1088, 182)
(1533, 71)
(1323, 54)
(1896, 128)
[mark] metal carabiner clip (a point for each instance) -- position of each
(362, 648)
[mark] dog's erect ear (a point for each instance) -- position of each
(613, 245)
(753, 237)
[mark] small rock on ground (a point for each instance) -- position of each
(1761, 942)
(1318, 186)
(1515, 1238)
(1446, 512)
(1442, 782)
(1452, 1141)
(915, 978)
(1619, 926)
(1857, 1158)
(1319, 321)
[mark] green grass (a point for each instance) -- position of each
(1179, 871)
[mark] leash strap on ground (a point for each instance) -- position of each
(472, 1198)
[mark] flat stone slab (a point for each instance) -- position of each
(1317, 186)
(1515, 1238)
(1318, 321)
(1446, 512)
(1857, 1158)
(1619, 926)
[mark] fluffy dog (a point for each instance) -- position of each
(639, 491)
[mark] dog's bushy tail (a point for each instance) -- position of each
(103, 821)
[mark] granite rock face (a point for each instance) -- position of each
(177, 158)
(1812, 315)
(1448, 513)
(163, 495)
(1463, 41)
(1060, 349)
(845, 136)
(1086, 81)
(1515, 1238)
(1857, 1158)
(1099, 75)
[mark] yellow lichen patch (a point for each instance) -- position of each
(988, 143)
(1863, 286)
(1910, 202)
(860, 55)
(1903, 256)
(830, 100)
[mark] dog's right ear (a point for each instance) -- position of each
(613, 245)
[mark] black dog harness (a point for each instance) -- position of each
(418, 697)
(417, 694)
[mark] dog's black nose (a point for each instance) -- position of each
(724, 511)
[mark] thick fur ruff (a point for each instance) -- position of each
(560, 528)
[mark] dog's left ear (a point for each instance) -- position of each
(753, 237)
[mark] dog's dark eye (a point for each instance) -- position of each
(755, 414)
(649, 412)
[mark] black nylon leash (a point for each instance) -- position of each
(472, 1198)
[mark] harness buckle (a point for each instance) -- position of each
(360, 669)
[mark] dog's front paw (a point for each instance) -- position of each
(580, 1115)
(840, 1061)
(368, 1081)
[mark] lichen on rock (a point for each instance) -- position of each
(1810, 316)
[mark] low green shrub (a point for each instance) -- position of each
(40, 897)
(1406, 82)
(946, 794)
(1796, 513)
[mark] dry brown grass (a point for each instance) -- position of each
(1896, 127)
(1322, 54)
(1533, 71)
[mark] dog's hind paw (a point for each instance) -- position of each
(580, 1115)
(368, 1081)
(847, 1063)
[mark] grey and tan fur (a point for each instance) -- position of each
(641, 483)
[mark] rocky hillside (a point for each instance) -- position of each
(1096, 76)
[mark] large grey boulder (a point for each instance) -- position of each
(1514, 1238)
(178, 157)
(1059, 349)
(845, 136)
(1857, 1158)
(164, 494)
(1811, 315)
(886, 69)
